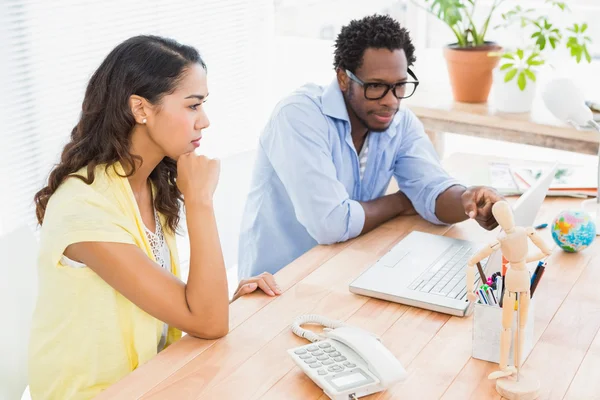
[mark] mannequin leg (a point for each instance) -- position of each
(524, 299)
(505, 338)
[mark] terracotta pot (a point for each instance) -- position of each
(470, 71)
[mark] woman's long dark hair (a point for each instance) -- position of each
(147, 66)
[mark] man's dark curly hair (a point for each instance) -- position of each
(377, 31)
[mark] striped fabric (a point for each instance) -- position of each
(362, 157)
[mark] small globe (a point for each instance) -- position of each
(573, 231)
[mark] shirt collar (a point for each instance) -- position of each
(334, 106)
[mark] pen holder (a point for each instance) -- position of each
(487, 329)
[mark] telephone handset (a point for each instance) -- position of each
(346, 362)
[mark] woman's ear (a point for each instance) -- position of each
(139, 108)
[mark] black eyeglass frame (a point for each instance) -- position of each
(391, 87)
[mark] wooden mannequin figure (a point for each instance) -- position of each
(513, 243)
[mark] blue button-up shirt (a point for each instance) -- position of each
(306, 185)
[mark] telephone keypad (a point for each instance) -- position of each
(325, 357)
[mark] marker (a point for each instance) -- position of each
(535, 272)
(495, 302)
(540, 226)
(538, 277)
(502, 291)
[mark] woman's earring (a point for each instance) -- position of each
(144, 121)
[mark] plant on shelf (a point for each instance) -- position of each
(471, 58)
(458, 15)
(523, 63)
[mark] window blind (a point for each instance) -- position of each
(50, 50)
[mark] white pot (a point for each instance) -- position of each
(509, 98)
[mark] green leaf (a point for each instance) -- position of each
(532, 57)
(587, 54)
(552, 41)
(536, 63)
(506, 66)
(510, 75)
(560, 4)
(530, 74)
(521, 81)
(449, 11)
(509, 56)
(541, 42)
(520, 54)
(535, 34)
(583, 27)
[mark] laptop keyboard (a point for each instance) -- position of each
(446, 276)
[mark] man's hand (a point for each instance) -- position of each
(478, 201)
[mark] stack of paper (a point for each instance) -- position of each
(570, 180)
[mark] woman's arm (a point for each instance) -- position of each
(200, 307)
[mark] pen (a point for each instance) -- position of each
(540, 226)
(494, 301)
(500, 286)
(483, 278)
(538, 277)
(535, 272)
(481, 301)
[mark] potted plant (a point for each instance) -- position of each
(471, 59)
(515, 89)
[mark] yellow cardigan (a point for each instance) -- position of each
(85, 336)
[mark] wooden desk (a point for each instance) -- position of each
(251, 362)
(439, 113)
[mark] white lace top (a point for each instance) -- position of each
(161, 253)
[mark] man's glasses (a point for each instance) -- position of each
(377, 90)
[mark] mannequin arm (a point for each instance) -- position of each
(480, 255)
(537, 240)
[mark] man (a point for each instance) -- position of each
(327, 155)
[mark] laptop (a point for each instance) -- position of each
(428, 271)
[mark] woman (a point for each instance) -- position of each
(109, 296)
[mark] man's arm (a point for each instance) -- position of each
(297, 145)
(449, 207)
(385, 208)
(420, 175)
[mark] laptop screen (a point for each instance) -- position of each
(525, 210)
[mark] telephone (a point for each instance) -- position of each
(346, 362)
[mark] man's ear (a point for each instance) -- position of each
(342, 79)
(140, 108)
